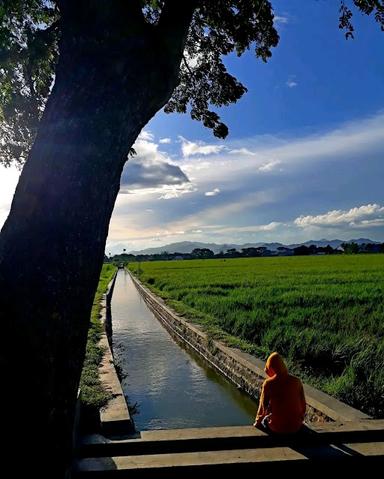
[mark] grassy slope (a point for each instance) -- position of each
(92, 392)
(324, 314)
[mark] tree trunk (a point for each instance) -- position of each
(52, 244)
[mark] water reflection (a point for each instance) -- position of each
(172, 387)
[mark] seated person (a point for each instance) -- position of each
(282, 401)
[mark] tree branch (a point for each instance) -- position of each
(176, 18)
(87, 14)
(132, 10)
(173, 27)
(133, 6)
(187, 66)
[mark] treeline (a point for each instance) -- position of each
(262, 251)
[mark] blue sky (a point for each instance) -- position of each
(303, 160)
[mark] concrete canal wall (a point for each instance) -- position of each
(243, 369)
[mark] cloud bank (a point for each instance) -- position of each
(360, 216)
(265, 188)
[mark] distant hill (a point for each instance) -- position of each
(186, 247)
(189, 246)
(335, 243)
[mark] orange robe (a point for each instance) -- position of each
(282, 398)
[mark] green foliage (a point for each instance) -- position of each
(368, 7)
(28, 53)
(218, 29)
(350, 248)
(325, 314)
(29, 48)
(92, 392)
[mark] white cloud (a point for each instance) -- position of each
(269, 165)
(242, 151)
(354, 138)
(323, 167)
(378, 222)
(8, 181)
(360, 216)
(190, 148)
(214, 192)
(175, 191)
(291, 82)
(225, 212)
(251, 228)
(244, 158)
(145, 135)
(280, 19)
(165, 141)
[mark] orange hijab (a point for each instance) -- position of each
(282, 398)
(275, 365)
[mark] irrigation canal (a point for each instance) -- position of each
(170, 386)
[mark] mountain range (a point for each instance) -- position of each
(189, 246)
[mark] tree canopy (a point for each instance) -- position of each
(29, 47)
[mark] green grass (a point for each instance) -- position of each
(93, 395)
(325, 314)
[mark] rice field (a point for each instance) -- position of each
(325, 314)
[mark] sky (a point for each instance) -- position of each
(303, 159)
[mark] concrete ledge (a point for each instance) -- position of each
(243, 369)
(332, 407)
(235, 461)
(224, 432)
(228, 438)
(114, 417)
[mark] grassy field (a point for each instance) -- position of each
(93, 394)
(325, 314)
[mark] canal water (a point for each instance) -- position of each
(168, 386)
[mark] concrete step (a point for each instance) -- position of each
(188, 464)
(226, 438)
